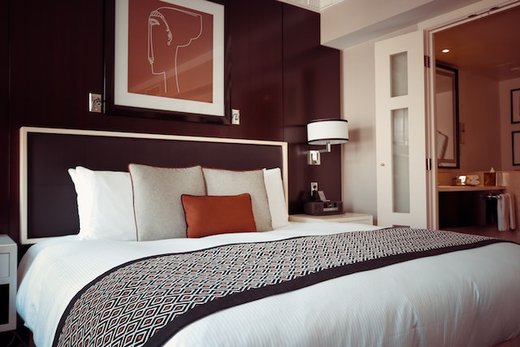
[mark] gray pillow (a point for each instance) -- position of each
(157, 199)
(226, 182)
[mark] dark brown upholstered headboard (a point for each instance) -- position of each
(47, 197)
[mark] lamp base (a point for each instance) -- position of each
(313, 158)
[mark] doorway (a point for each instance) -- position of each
(484, 53)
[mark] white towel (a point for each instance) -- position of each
(503, 212)
(512, 212)
(506, 212)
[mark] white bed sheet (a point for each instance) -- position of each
(462, 298)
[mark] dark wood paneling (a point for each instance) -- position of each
(280, 78)
(57, 58)
(311, 91)
(256, 70)
(4, 117)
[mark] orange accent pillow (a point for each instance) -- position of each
(210, 214)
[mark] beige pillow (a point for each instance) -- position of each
(226, 182)
(157, 199)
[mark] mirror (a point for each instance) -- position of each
(447, 116)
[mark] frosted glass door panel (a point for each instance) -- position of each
(399, 74)
(400, 161)
(400, 131)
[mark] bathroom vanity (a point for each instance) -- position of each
(467, 205)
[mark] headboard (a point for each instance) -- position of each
(48, 205)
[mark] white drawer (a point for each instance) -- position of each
(4, 264)
(8, 277)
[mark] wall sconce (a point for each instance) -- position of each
(325, 132)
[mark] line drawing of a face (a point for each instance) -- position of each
(169, 30)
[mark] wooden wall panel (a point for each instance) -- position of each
(280, 78)
(4, 117)
(311, 91)
(256, 67)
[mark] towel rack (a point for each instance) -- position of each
(491, 196)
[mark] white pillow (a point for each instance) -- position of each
(227, 182)
(276, 197)
(105, 205)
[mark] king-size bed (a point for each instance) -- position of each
(156, 248)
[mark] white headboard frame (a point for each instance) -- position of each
(25, 132)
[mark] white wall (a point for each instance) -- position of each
(359, 155)
(506, 127)
(479, 112)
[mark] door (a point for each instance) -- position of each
(401, 133)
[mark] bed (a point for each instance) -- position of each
(300, 284)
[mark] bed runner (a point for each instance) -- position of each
(137, 303)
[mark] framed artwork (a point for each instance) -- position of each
(515, 139)
(515, 106)
(166, 58)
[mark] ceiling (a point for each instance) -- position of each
(489, 45)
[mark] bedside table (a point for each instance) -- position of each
(346, 217)
(8, 262)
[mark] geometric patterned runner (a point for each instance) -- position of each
(146, 301)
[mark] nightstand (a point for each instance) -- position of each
(346, 217)
(8, 261)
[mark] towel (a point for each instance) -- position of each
(512, 212)
(502, 213)
(506, 212)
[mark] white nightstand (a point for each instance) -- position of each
(346, 217)
(8, 261)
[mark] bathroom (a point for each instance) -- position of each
(478, 119)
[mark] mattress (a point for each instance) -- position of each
(469, 297)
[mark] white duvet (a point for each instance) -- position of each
(464, 298)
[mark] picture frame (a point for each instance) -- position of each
(515, 147)
(515, 106)
(156, 67)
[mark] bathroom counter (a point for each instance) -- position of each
(468, 188)
(461, 206)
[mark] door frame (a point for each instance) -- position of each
(429, 28)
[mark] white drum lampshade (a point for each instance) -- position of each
(325, 132)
